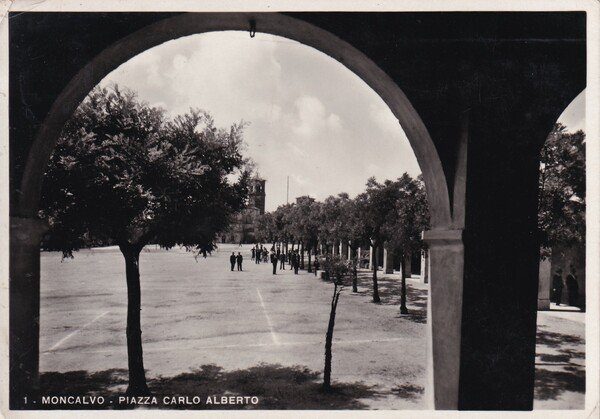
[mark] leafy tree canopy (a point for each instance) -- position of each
(412, 216)
(122, 173)
(561, 210)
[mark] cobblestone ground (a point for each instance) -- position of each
(203, 323)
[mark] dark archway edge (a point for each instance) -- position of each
(493, 81)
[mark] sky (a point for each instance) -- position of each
(310, 118)
(574, 116)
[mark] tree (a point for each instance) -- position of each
(405, 230)
(267, 228)
(561, 205)
(337, 270)
(377, 209)
(122, 174)
(305, 225)
(331, 220)
(352, 231)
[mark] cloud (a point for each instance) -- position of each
(311, 118)
(381, 115)
(314, 120)
(334, 122)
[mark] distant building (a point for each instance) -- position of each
(243, 230)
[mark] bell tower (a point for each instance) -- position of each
(257, 194)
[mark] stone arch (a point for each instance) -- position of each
(272, 23)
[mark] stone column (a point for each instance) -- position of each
(388, 260)
(444, 328)
(24, 285)
(545, 285)
(425, 266)
(345, 250)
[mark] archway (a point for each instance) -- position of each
(447, 217)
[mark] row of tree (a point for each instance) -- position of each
(392, 214)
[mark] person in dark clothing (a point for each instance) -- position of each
(557, 287)
(281, 258)
(296, 263)
(274, 262)
(239, 260)
(257, 261)
(232, 260)
(253, 253)
(316, 265)
(572, 288)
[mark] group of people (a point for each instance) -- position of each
(572, 287)
(277, 257)
(260, 254)
(233, 260)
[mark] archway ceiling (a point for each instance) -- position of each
(446, 63)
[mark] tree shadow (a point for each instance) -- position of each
(556, 340)
(275, 386)
(551, 384)
(555, 358)
(389, 293)
(560, 373)
(81, 382)
(408, 391)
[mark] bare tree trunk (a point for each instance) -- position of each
(302, 255)
(135, 358)
(290, 259)
(352, 253)
(376, 298)
(329, 339)
(403, 309)
(309, 265)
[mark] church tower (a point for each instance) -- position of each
(257, 194)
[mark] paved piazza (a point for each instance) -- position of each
(199, 313)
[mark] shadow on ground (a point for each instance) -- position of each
(550, 384)
(389, 293)
(561, 370)
(557, 340)
(276, 387)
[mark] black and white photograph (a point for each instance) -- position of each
(338, 207)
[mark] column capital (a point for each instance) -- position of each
(27, 231)
(443, 237)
